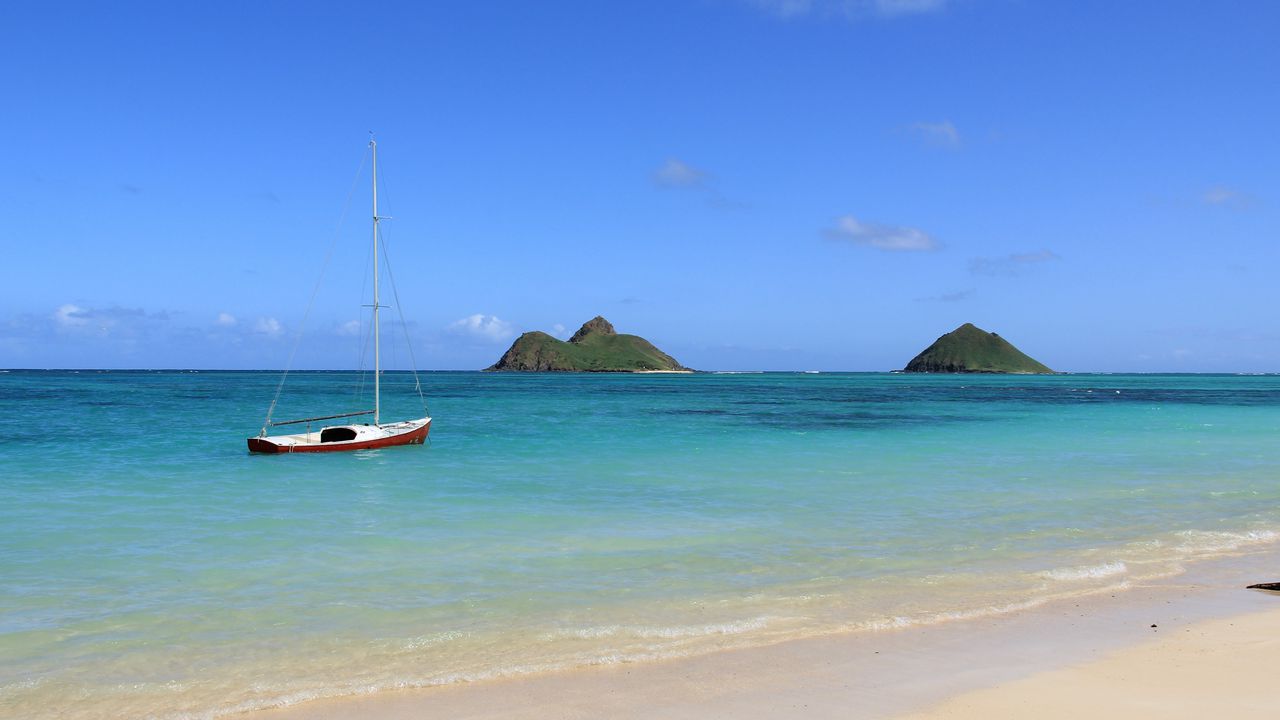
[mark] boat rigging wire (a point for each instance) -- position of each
(315, 291)
(404, 326)
(395, 295)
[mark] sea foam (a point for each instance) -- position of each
(1086, 572)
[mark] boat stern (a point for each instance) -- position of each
(264, 445)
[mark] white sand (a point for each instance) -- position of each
(1214, 669)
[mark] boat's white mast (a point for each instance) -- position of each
(377, 360)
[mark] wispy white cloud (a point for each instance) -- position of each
(269, 327)
(486, 328)
(890, 238)
(559, 330)
(890, 8)
(1011, 265)
(785, 8)
(81, 334)
(125, 322)
(1223, 196)
(71, 316)
(848, 9)
(350, 328)
(937, 134)
(679, 174)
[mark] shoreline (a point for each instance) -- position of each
(878, 674)
(1212, 668)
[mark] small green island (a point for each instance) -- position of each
(596, 347)
(970, 349)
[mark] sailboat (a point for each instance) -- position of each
(362, 436)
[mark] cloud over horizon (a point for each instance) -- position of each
(268, 326)
(70, 316)
(890, 238)
(120, 321)
(77, 334)
(485, 328)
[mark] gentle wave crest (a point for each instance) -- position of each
(1086, 572)
(1200, 542)
(666, 633)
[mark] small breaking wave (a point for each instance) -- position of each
(899, 622)
(1201, 542)
(663, 633)
(1085, 572)
(423, 641)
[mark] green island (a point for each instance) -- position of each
(596, 347)
(970, 349)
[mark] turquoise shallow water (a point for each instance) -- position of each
(150, 567)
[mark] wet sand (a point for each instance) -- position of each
(1209, 652)
(1215, 668)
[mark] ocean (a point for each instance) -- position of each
(151, 567)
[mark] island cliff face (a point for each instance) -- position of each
(969, 349)
(596, 347)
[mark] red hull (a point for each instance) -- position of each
(413, 437)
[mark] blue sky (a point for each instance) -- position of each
(751, 184)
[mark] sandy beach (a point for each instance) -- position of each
(1192, 646)
(1216, 668)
